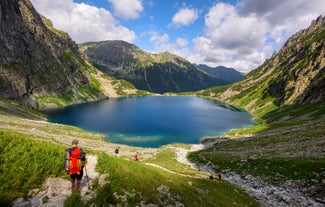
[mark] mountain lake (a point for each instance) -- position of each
(153, 121)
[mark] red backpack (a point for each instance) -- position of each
(74, 161)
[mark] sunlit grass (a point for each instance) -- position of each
(142, 183)
(25, 164)
(166, 158)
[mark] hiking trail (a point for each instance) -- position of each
(268, 195)
(55, 191)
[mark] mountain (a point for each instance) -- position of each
(293, 76)
(229, 74)
(286, 96)
(40, 66)
(159, 73)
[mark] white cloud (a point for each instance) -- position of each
(285, 17)
(184, 17)
(127, 9)
(162, 43)
(83, 22)
(234, 32)
(244, 35)
(231, 40)
(181, 42)
(158, 39)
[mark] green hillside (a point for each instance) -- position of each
(293, 76)
(286, 97)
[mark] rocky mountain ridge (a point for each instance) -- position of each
(294, 75)
(158, 73)
(40, 65)
(229, 74)
(30, 56)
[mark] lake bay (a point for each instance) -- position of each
(153, 121)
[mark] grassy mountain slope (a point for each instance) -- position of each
(286, 96)
(295, 75)
(159, 73)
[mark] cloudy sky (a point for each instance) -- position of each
(232, 33)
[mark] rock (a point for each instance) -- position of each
(35, 61)
(166, 197)
(55, 191)
(323, 182)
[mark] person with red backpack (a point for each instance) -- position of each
(74, 162)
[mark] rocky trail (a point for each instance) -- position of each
(287, 194)
(55, 191)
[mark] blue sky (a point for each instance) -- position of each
(232, 33)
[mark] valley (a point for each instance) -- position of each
(278, 162)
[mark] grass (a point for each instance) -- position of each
(57, 101)
(166, 158)
(277, 152)
(24, 166)
(12, 109)
(136, 181)
(276, 170)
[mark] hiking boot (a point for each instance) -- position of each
(73, 185)
(78, 186)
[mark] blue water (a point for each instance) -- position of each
(153, 121)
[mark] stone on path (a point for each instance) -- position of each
(55, 191)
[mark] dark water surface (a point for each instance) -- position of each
(153, 121)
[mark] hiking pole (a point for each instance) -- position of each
(87, 178)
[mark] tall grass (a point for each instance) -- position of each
(25, 164)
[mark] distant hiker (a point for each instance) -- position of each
(136, 156)
(220, 175)
(117, 151)
(211, 177)
(75, 159)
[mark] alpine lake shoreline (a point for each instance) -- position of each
(242, 170)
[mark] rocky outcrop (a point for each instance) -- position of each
(159, 73)
(36, 60)
(300, 69)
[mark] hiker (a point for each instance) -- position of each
(117, 151)
(136, 156)
(211, 177)
(220, 175)
(75, 159)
